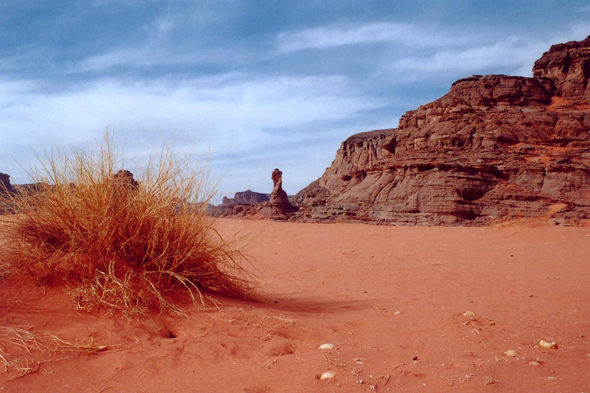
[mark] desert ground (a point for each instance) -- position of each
(408, 309)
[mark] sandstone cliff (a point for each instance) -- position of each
(495, 147)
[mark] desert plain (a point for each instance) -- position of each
(407, 309)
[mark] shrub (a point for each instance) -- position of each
(118, 245)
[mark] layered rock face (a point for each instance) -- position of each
(495, 147)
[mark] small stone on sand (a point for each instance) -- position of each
(545, 345)
(328, 375)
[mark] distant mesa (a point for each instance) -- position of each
(244, 203)
(247, 197)
(494, 148)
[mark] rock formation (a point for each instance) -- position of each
(5, 186)
(279, 201)
(125, 178)
(244, 203)
(495, 147)
(247, 197)
(279, 206)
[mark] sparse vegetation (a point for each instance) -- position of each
(24, 350)
(118, 245)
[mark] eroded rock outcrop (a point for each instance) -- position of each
(495, 147)
(568, 67)
(279, 201)
(5, 186)
(124, 178)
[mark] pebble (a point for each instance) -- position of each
(328, 375)
(536, 364)
(511, 352)
(327, 346)
(545, 345)
(469, 313)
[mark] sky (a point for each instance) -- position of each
(251, 84)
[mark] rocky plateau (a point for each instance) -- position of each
(494, 148)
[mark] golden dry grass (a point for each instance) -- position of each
(119, 246)
(22, 351)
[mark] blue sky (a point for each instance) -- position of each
(256, 84)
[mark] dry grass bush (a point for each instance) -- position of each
(118, 246)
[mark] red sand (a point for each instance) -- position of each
(392, 300)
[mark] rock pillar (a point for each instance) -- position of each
(279, 200)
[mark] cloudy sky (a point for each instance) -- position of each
(256, 84)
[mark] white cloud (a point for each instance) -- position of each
(395, 33)
(232, 114)
(146, 56)
(512, 55)
(123, 57)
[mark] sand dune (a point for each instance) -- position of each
(393, 301)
